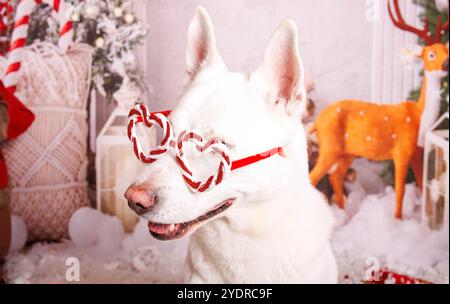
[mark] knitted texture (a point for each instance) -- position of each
(48, 164)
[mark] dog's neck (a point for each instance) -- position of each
(257, 229)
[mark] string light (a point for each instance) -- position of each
(75, 17)
(118, 12)
(91, 11)
(100, 42)
(129, 18)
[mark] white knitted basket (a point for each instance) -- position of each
(48, 164)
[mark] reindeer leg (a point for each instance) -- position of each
(417, 166)
(324, 164)
(401, 171)
(337, 179)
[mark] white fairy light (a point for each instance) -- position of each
(129, 18)
(91, 11)
(100, 42)
(75, 17)
(118, 12)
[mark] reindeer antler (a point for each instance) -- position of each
(425, 33)
(440, 29)
(401, 24)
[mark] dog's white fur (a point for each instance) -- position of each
(278, 230)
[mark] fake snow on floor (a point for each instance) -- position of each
(105, 255)
(366, 235)
(371, 237)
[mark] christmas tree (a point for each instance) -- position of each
(109, 26)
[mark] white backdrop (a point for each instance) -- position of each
(349, 47)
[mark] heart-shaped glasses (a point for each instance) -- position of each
(140, 114)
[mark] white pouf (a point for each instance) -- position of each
(97, 234)
(83, 226)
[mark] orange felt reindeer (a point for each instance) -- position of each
(350, 128)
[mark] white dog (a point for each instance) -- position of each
(264, 223)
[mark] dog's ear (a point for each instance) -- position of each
(201, 48)
(282, 69)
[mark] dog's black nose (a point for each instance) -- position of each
(140, 199)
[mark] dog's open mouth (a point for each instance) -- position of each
(167, 232)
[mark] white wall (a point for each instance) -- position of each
(392, 80)
(346, 54)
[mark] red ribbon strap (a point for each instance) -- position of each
(237, 164)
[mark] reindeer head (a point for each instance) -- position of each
(435, 53)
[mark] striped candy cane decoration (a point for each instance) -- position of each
(141, 114)
(204, 146)
(20, 33)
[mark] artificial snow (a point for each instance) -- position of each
(106, 255)
(366, 234)
(373, 234)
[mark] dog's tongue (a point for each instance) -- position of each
(161, 228)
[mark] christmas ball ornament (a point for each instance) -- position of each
(118, 12)
(75, 17)
(91, 11)
(129, 18)
(100, 42)
(442, 5)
